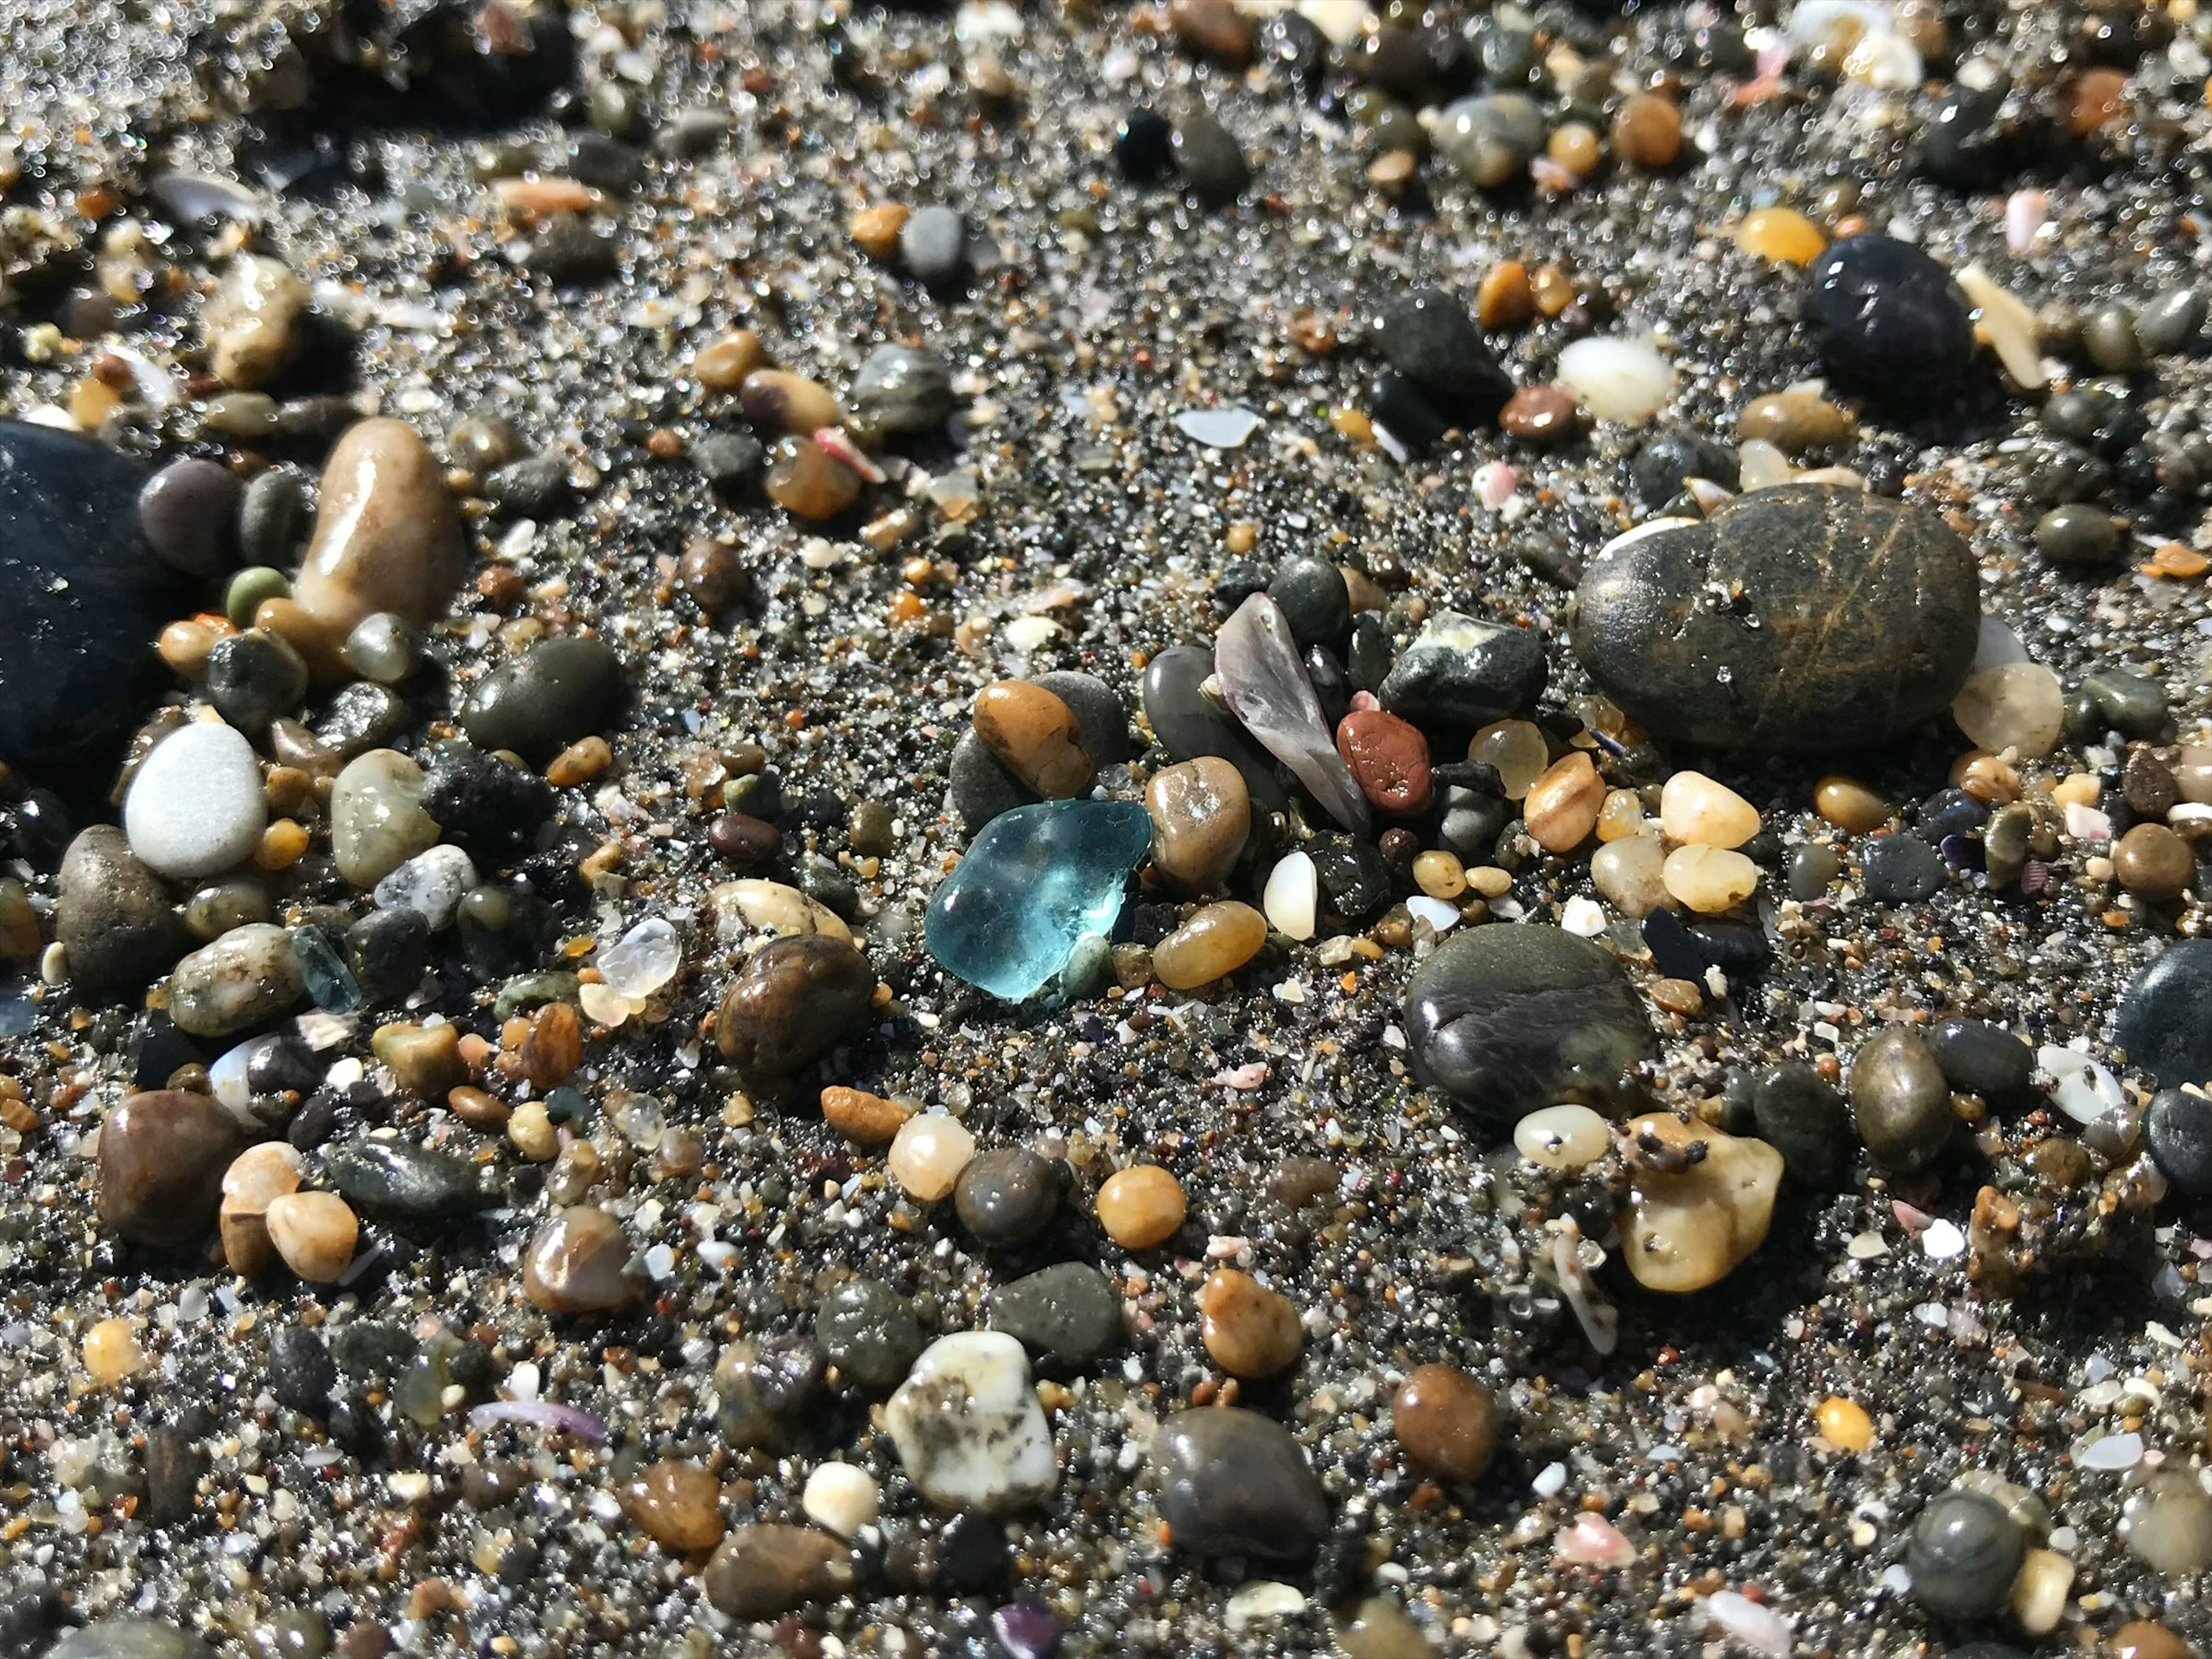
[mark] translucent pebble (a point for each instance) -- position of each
(1516, 749)
(1709, 879)
(928, 1155)
(1760, 465)
(1630, 874)
(1561, 1137)
(1618, 378)
(1696, 810)
(2012, 705)
(642, 960)
(1291, 895)
(1226, 428)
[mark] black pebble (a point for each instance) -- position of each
(1144, 147)
(1007, 1195)
(1210, 160)
(2178, 1128)
(301, 1373)
(556, 692)
(1812, 870)
(1314, 601)
(1887, 318)
(1065, 1315)
(2161, 1024)
(1667, 461)
(1429, 337)
(1795, 1111)
(189, 513)
(387, 952)
(1902, 870)
(1964, 1554)
(482, 801)
(972, 1553)
(1981, 1059)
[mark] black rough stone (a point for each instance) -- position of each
(301, 1373)
(1902, 870)
(1396, 405)
(869, 1332)
(973, 1556)
(1886, 319)
(1795, 1111)
(2160, 1021)
(1504, 1020)
(482, 802)
(1355, 877)
(1428, 337)
(1066, 1315)
(1462, 672)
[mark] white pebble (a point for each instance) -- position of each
(1618, 378)
(1583, 917)
(2114, 1451)
(1292, 894)
(1263, 1598)
(1759, 1628)
(1226, 427)
(1561, 1137)
(841, 1499)
(968, 1426)
(1437, 913)
(1942, 1241)
(2086, 1091)
(195, 808)
(432, 884)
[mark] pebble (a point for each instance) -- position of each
(1037, 884)
(928, 1153)
(1390, 760)
(933, 243)
(1461, 673)
(1505, 1020)
(899, 389)
(126, 1638)
(1098, 712)
(2077, 535)
(382, 647)
(248, 974)
(1007, 1195)
(2152, 862)
(1262, 679)
(1066, 1315)
(1561, 807)
(1233, 1482)
(1850, 804)
(1490, 138)
(188, 513)
(841, 1499)
(251, 321)
(1216, 941)
(387, 533)
(263, 1172)
(1886, 319)
(1617, 378)
(112, 914)
(1140, 1207)
(2177, 1129)
(2169, 1528)
(1982, 1059)
(1902, 869)
(1429, 337)
(864, 1119)
(1035, 735)
(1800, 1114)
(793, 1002)
(677, 1504)
(1963, 1552)
(425, 1059)
(968, 1426)
(1543, 414)
(2159, 1021)
(1707, 879)
(1857, 614)
(314, 1233)
(1631, 873)
(557, 692)
(377, 820)
(1314, 601)
(2141, 1639)
(1695, 810)
(162, 1156)
(579, 1261)
(1249, 1331)
(1190, 726)
(1685, 1228)
(1210, 161)
(1901, 1102)
(1562, 1137)
(1782, 234)
(1202, 818)
(869, 1333)
(411, 1185)
(432, 884)
(195, 807)
(1446, 1421)
(2016, 706)
(765, 1569)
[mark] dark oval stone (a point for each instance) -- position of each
(254, 677)
(1666, 462)
(1508, 1019)
(1854, 619)
(792, 1003)
(1964, 1554)
(1902, 870)
(556, 692)
(1067, 1314)
(2161, 1022)
(1901, 1102)
(1887, 318)
(1189, 725)
(1210, 160)
(82, 597)
(301, 1373)
(1429, 339)
(1144, 147)
(1981, 1059)
(113, 915)
(1462, 673)
(189, 513)
(1007, 1195)
(1314, 601)
(869, 1332)
(162, 1155)
(1233, 1482)
(387, 952)
(1796, 1112)
(2178, 1129)
(1812, 870)
(408, 1183)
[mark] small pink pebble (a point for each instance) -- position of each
(1591, 1540)
(1496, 483)
(833, 440)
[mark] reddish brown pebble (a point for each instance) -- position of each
(162, 1156)
(678, 1504)
(808, 481)
(1213, 29)
(1541, 414)
(1446, 1421)
(2142, 1639)
(1504, 300)
(1648, 132)
(1251, 1331)
(711, 573)
(743, 839)
(554, 1046)
(1389, 759)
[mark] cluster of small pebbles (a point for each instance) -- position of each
(1187, 829)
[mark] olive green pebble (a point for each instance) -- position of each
(2077, 534)
(2108, 335)
(1901, 1102)
(249, 589)
(874, 829)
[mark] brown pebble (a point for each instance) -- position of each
(1213, 29)
(2152, 862)
(1216, 941)
(766, 1568)
(1035, 735)
(2140, 1638)
(2098, 95)
(579, 762)
(1140, 1206)
(678, 1504)
(315, 1233)
(875, 230)
(1250, 1330)
(577, 1262)
(1201, 817)
(792, 1003)
(1504, 299)
(1541, 415)
(477, 1108)
(778, 402)
(808, 481)
(162, 1155)
(743, 839)
(1850, 804)
(1798, 422)
(865, 1120)
(1647, 131)
(711, 573)
(1446, 1421)
(387, 533)
(1389, 760)
(183, 645)
(2148, 783)
(425, 1059)
(722, 365)
(555, 1045)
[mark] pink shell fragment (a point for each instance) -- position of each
(1591, 1540)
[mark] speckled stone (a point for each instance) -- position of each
(1504, 1020)
(1233, 1482)
(1858, 620)
(869, 1333)
(766, 1568)
(113, 915)
(1066, 1315)
(245, 977)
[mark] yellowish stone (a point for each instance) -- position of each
(1630, 874)
(1687, 1227)
(1562, 805)
(1516, 749)
(1709, 879)
(1217, 940)
(1696, 810)
(928, 1155)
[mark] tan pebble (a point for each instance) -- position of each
(1782, 234)
(1440, 874)
(251, 321)
(425, 1059)
(477, 1108)
(1035, 735)
(875, 229)
(2142, 1639)
(554, 1046)
(1850, 804)
(1622, 815)
(1687, 1227)
(530, 1130)
(1213, 29)
(1562, 1137)
(807, 481)
(1504, 300)
(387, 533)
(260, 1174)
(1250, 1330)
(1709, 879)
(927, 1154)
(1696, 810)
(2152, 862)
(315, 1233)
(111, 1353)
(2192, 772)
(864, 1119)
(1201, 817)
(544, 197)
(578, 1261)
(2039, 1592)
(1446, 1421)
(778, 402)
(1562, 805)
(1795, 422)
(1490, 881)
(579, 762)
(2082, 789)
(1380, 1629)
(723, 364)
(1517, 750)
(1140, 1206)
(1217, 940)
(678, 1504)
(183, 645)
(1647, 131)
(1987, 779)
(1844, 1424)
(1678, 996)
(1631, 874)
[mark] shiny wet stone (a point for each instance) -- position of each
(1189, 725)
(2160, 1020)
(407, 1183)
(1233, 1482)
(1887, 318)
(1963, 1552)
